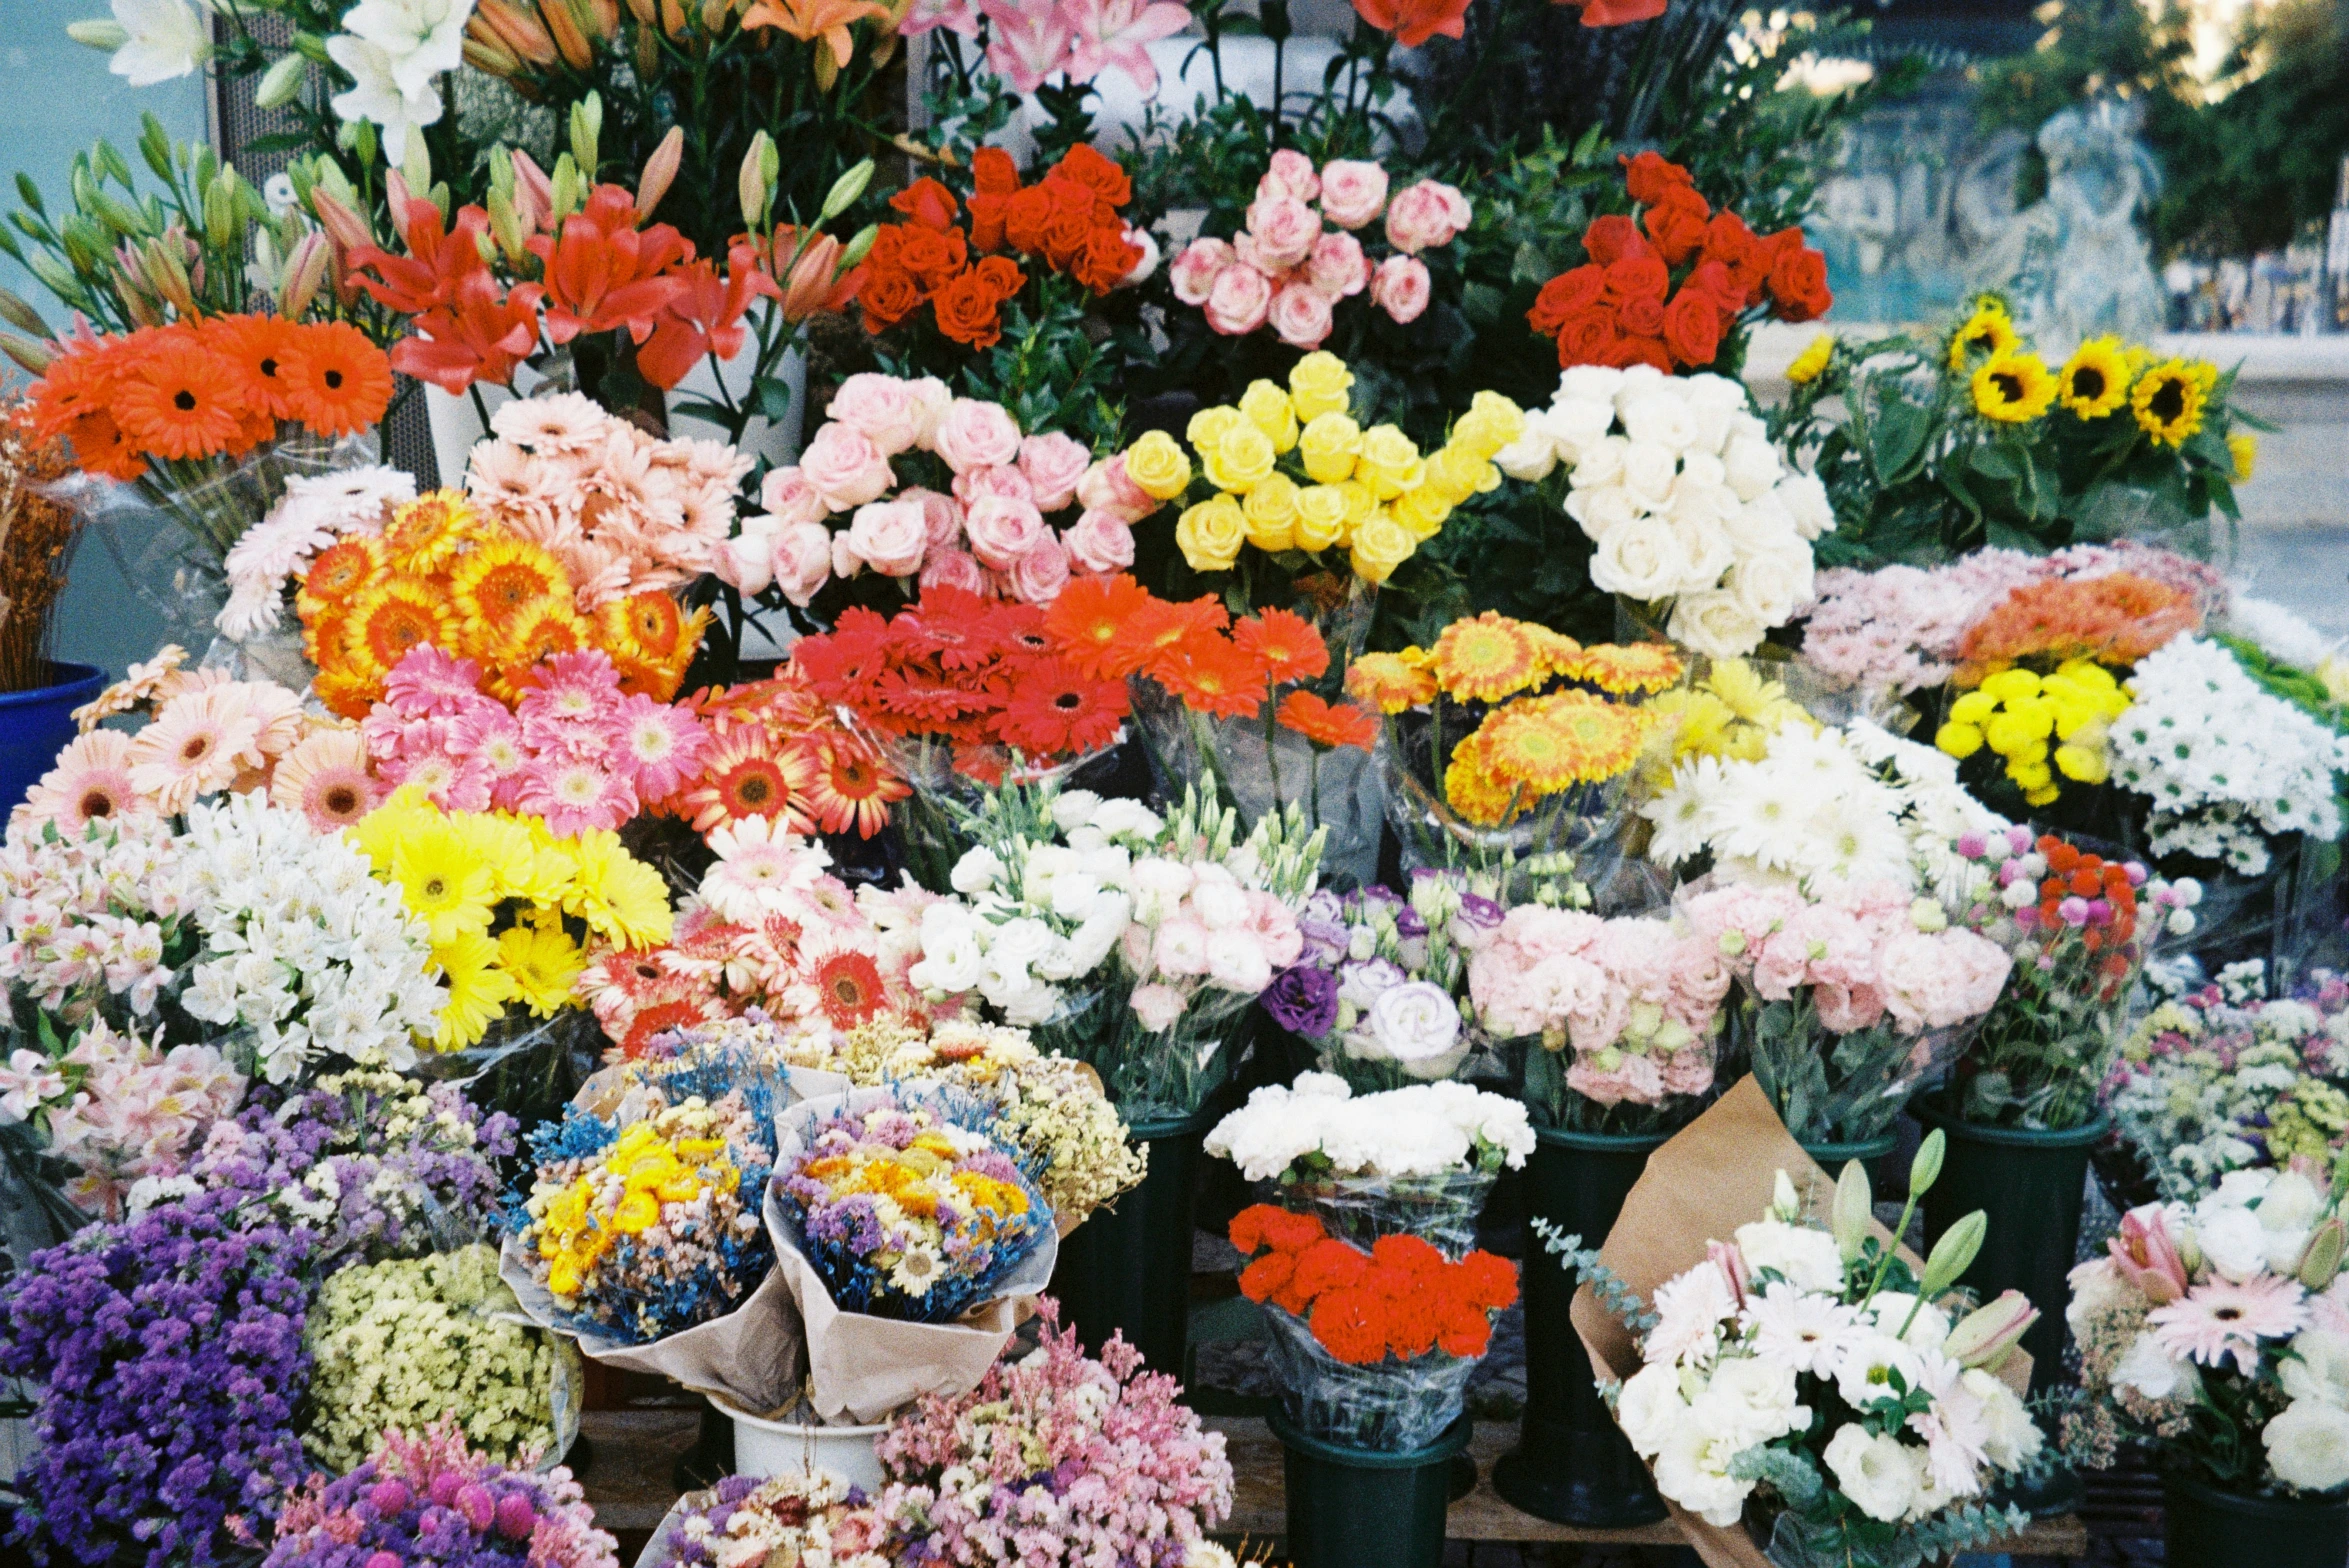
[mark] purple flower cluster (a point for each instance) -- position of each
(171, 1350)
(429, 1499)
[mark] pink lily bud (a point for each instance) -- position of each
(305, 272)
(659, 171)
(809, 289)
(1984, 1335)
(1731, 1263)
(345, 227)
(2147, 1256)
(534, 193)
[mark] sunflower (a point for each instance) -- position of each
(1474, 793)
(1389, 682)
(2013, 388)
(849, 989)
(2169, 398)
(337, 382)
(1988, 333)
(1485, 659)
(746, 775)
(339, 571)
(1284, 643)
(1617, 668)
(392, 617)
(478, 990)
(178, 401)
(255, 351)
(1551, 743)
(503, 582)
(1328, 725)
(2096, 378)
(427, 532)
(542, 963)
(848, 784)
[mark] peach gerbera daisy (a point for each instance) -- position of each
(90, 783)
(196, 746)
(325, 778)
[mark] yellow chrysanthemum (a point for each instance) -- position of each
(2168, 399)
(1485, 659)
(1551, 743)
(2013, 388)
(542, 963)
(1621, 668)
(1389, 682)
(478, 990)
(1988, 333)
(2095, 380)
(1811, 363)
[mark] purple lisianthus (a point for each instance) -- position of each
(1326, 941)
(1475, 921)
(1303, 1000)
(1361, 981)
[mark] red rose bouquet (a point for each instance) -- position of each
(1676, 286)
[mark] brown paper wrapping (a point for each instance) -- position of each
(861, 1368)
(1715, 1174)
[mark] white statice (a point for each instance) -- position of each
(1852, 804)
(2226, 765)
(303, 947)
(1675, 481)
(394, 51)
(1430, 1129)
(317, 509)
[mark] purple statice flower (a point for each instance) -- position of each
(1303, 1000)
(170, 1347)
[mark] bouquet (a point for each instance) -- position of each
(1811, 1382)
(744, 1521)
(37, 537)
(971, 509)
(1632, 1006)
(911, 1208)
(114, 1111)
(1418, 1160)
(1697, 524)
(1506, 736)
(1625, 306)
(2216, 1332)
(428, 1498)
(1373, 1348)
(1296, 258)
(270, 560)
(1126, 941)
(402, 1345)
(1850, 995)
(1101, 1448)
(2077, 926)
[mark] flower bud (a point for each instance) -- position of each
(21, 315)
(1855, 1208)
(1785, 1202)
(305, 274)
(659, 171)
(1925, 1169)
(587, 128)
(32, 356)
(98, 33)
(281, 82)
(754, 184)
(1983, 1336)
(2320, 1261)
(845, 190)
(1953, 1254)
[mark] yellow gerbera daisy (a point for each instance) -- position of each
(1617, 668)
(1988, 333)
(441, 882)
(502, 582)
(542, 963)
(1811, 363)
(478, 990)
(620, 897)
(1551, 743)
(1474, 793)
(425, 534)
(2096, 378)
(2168, 400)
(1485, 659)
(2013, 388)
(1389, 683)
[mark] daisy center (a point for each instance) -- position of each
(2088, 384)
(2010, 387)
(2168, 401)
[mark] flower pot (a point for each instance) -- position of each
(767, 1448)
(36, 725)
(1831, 1156)
(1572, 1464)
(2030, 1185)
(1348, 1507)
(2209, 1528)
(1128, 1268)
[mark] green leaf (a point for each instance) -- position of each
(1995, 460)
(1897, 441)
(773, 397)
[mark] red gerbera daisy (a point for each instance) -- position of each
(952, 625)
(918, 699)
(1054, 710)
(652, 1022)
(849, 987)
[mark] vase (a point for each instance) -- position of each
(1348, 1507)
(36, 725)
(731, 380)
(1127, 1269)
(765, 1448)
(2207, 1527)
(1572, 1464)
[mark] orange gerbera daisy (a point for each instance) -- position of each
(1084, 622)
(1389, 682)
(337, 382)
(1157, 630)
(256, 352)
(1329, 724)
(501, 582)
(1284, 643)
(101, 446)
(1485, 659)
(425, 534)
(1620, 668)
(178, 401)
(393, 617)
(746, 776)
(1212, 677)
(1474, 792)
(339, 571)
(1549, 744)
(847, 784)
(541, 634)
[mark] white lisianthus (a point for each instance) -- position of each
(1797, 1253)
(1875, 1472)
(2013, 1439)
(2308, 1446)
(2154, 1372)
(1650, 1406)
(1692, 1468)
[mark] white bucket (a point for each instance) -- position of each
(765, 1448)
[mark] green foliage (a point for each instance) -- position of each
(1620, 1300)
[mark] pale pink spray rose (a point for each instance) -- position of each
(1300, 314)
(1004, 481)
(1240, 301)
(941, 517)
(1291, 174)
(1424, 216)
(802, 561)
(1002, 530)
(882, 409)
(843, 468)
(890, 536)
(1401, 287)
(1352, 193)
(976, 435)
(1337, 268)
(1157, 1006)
(1197, 267)
(786, 494)
(1106, 487)
(1038, 576)
(1053, 464)
(747, 561)
(954, 569)
(1280, 234)
(1101, 542)
(931, 400)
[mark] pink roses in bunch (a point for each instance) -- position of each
(984, 527)
(1293, 262)
(1638, 1000)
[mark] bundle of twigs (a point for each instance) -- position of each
(36, 541)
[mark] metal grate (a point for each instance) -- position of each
(237, 122)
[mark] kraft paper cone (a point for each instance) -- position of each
(1715, 1174)
(860, 1368)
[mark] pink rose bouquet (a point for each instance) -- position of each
(1298, 255)
(1850, 996)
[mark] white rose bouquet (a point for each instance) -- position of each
(2217, 1332)
(1697, 522)
(1811, 1384)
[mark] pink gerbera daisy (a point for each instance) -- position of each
(195, 746)
(429, 681)
(576, 796)
(566, 422)
(325, 778)
(661, 744)
(570, 702)
(90, 783)
(2219, 1318)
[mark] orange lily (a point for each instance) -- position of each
(809, 20)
